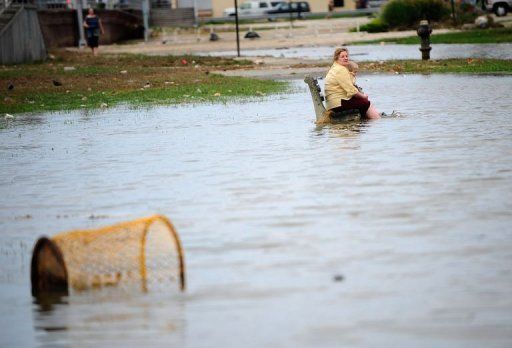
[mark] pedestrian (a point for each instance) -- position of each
(93, 27)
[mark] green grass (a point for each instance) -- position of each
(457, 66)
(482, 36)
(125, 79)
(216, 88)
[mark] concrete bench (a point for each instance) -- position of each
(322, 115)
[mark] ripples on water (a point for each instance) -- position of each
(413, 212)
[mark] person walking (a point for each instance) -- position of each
(93, 27)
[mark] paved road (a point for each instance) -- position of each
(326, 32)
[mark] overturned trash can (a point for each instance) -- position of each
(144, 253)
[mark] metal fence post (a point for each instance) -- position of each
(80, 20)
(145, 18)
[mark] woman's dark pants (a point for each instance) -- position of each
(361, 104)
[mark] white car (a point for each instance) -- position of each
(376, 3)
(252, 8)
(499, 7)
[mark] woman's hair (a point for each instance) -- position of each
(338, 51)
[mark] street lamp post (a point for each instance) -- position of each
(80, 20)
(453, 13)
(196, 21)
(145, 18)
(237, 35)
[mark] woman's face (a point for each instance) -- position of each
(91, 11)
(343, 58)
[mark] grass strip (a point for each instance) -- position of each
(457, 66)
(73, 81)
(481, 36)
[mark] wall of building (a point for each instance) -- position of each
(21, 40)
(60, 27)
(218, 6)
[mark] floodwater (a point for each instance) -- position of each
(391, 233)
(386, 52)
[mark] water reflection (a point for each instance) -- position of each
(110, 316)
(26, 120)
(342, 129)
(48, 302)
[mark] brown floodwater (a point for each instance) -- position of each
(393, 233)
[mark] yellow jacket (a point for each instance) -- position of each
(339, 86)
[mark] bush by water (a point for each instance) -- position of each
(403, 14)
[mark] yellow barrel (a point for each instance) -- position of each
(145, 253)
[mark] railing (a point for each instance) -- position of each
(72, 4)
(4, 4)
(306, 15)
(97, 4)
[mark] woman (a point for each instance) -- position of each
(93, 27)
(340, 92)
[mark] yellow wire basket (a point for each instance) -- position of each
(144, 253)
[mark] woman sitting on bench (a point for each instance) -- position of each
(340, 92)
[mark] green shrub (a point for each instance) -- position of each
(398, 13)
(466, 13)
(403, 14)
(375, 26)
(432, 10)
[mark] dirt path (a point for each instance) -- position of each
(310, 33)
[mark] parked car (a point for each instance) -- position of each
(296, 9)
(499, 7)
(252, 8)
(376, 3)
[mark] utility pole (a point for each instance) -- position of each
(237, 35)
(196, 19)
(145, 18)
(80, 20)
(291, 18)
(453, 13)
